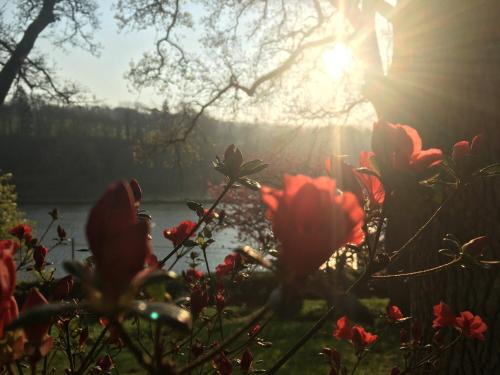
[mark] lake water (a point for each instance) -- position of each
(73, 218)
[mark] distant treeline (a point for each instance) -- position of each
(71, 153)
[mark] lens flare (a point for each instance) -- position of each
(337, 60)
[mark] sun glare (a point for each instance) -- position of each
(337, 60)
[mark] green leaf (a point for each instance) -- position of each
(158, 277)
(42, 313)
(189, 243)
(195, 206)
(249, 183)
(79, 270)
(489, 171)
(254, 256)
(207, 232)
(470, 261)
(252, 167)
(448, 253)
(162, 312)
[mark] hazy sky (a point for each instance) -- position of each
(103, 75)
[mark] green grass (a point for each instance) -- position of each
(281, 334)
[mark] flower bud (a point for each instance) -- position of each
(246, 360)
(39, 254)
(232, 160)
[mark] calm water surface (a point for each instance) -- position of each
(165, 215)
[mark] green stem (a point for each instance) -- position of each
(422, 228)
(86, 360)
(355, 367)
(211, 354)
(68, 348)
(301, 342)
(198, 224)
(144, 362)
(46, 231)
(421, 272)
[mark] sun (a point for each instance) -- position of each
(337, 60)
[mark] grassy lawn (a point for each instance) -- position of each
(283, 333)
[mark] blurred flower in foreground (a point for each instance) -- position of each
(8, 305)
(39, 342)
(311, 221)
(118, 240)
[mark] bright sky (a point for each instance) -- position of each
(103, 76)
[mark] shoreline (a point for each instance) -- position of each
(145, 201)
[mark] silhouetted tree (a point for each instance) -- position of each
(22, 23)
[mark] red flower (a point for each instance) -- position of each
(63, 288)
(61, 233)
(193, 275)
(197, 348)
(399, 147)
(357, 334)
(220, 301)
(464, 149)
(311, 221)
(136, 191)
(20, 231)
(199, 299)
(478, 144)
(8, 305)
(246, 360)
(84, 335)
(119, 242)
(444, 316)
(7, 271)
(209, 217)
(471, 325)
(232, 262)
(372, 184)
(343, 330)
(105, 363)
(39, 254)
(223, 365)
(361, 339)
(460, 150)
(35, 332)
(254, 330)
(394, 314)
(179, 233)
(9, 245)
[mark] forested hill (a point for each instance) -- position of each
(70, 154)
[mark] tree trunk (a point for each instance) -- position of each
(14, 64)
(445, 82)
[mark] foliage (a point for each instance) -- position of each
(103, 144)
(9, 212)
(172, 330)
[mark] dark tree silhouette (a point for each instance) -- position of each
(66, 22)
